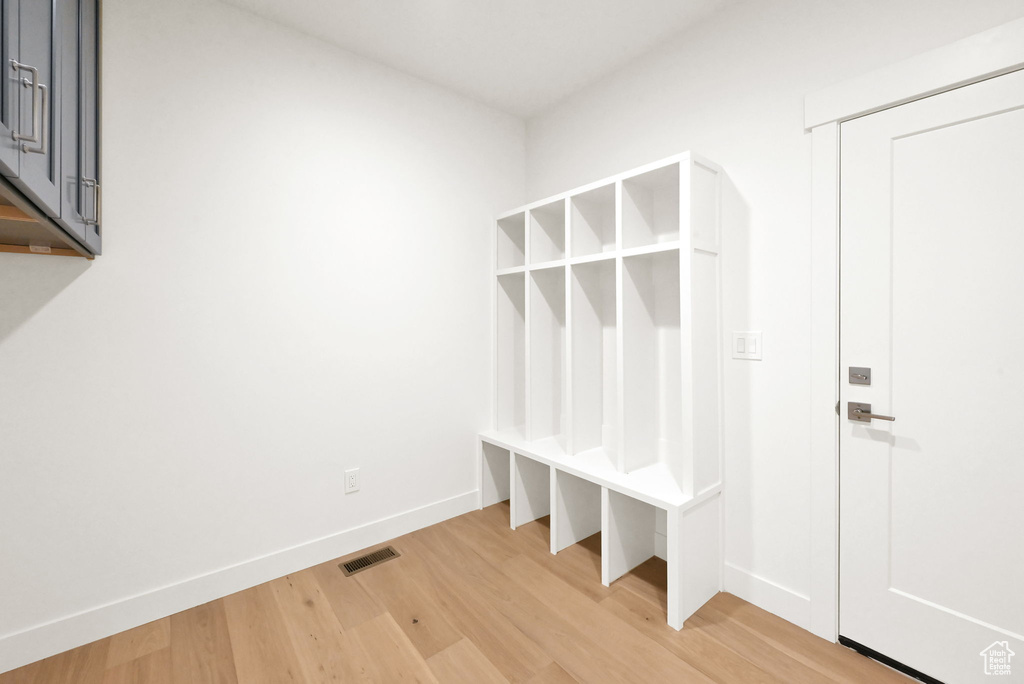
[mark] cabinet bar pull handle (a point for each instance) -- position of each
(44, 145)
(97, 201)
(36, 102)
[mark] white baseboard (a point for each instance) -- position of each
(69, 632)
(786, 603)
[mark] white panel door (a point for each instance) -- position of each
(932, 301)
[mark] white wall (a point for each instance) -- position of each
(296, 281)
(732, 88)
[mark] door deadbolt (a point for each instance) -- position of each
(860, 376)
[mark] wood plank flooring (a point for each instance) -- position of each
(470, 601)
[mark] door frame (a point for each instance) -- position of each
(982, 56)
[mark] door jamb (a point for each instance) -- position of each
(984, 55)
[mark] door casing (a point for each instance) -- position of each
(985, 55)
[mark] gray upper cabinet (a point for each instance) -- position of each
(38, 115)
(49, 117)
(80, 186)
(10, 86)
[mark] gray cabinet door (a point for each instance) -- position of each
(89, 71)
(89, 106)
(77, 192)
(10, 87)
(73, 212)
(39, 47)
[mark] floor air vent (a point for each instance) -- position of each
(368, 561)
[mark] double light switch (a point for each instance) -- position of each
(747, 345)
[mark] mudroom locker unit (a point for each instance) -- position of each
(607, 372)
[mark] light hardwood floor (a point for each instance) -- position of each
(468, 601)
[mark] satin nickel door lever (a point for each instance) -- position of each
(861, 413)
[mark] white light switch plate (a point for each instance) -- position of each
(747, 345)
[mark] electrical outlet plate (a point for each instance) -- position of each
(747, 345)
(352, 480)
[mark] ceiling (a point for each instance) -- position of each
(519, 56)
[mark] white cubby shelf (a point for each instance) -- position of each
(608, 372)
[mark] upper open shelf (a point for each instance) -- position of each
(592, 221)
(512, 241)
(650, 207)
(547, 232)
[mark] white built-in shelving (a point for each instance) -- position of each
(594, 358)
(512, 241)
(575, 509)
(607, 411)
(510, 363)
(548, 411)
(592, 221)
(531, 490)
(650, 207)
(547, 233)
(651, 362)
